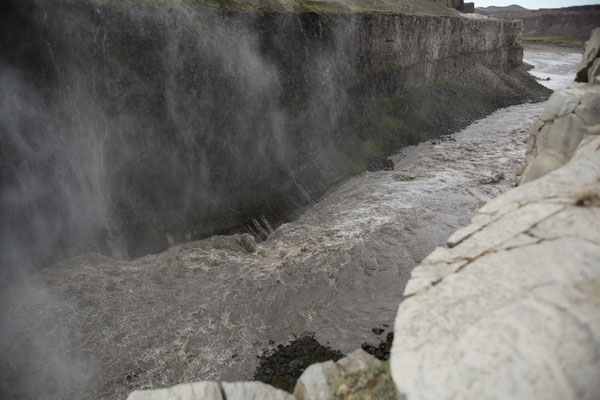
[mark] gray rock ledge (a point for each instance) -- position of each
(511, 308)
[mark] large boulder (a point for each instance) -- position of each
(317, 381)
(511, 308)
(252, 391)
(571, 116)
(213, 391)
(594, 71)
(592, 51)
(184, 391)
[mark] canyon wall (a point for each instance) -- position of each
(566, 22)
(131, 126)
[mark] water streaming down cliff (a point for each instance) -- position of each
(128, 128)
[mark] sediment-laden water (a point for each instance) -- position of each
(206, 309)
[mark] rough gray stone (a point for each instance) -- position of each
(588, 113)
(567, 119)
(594, 130)
(212, 391)
(356, 361)
(184, 391)
(253, 391)
(560, 104)
(594, 71)
(315, 382)
(592, 50)
(513, 310)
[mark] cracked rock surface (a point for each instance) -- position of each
(571, 119)
(511, 308)
(316, 382)
(213, 391)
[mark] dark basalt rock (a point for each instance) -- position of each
(382, 350)
(375, 163)
(282, 366)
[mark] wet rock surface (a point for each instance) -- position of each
(282, 366)
(382, 350)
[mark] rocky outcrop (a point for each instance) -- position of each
(357, 372)
(318, 381)
(588, 68)
(510, 309)
(571, 120)
(134, 125)
(213, 391)
(184, 391)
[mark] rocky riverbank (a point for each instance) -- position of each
(511, 307)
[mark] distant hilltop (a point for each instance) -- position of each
(568, 22)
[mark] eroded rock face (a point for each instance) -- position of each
(317, 381)
(511, 308)
(591, 53)
(571, 118)
(567, 22)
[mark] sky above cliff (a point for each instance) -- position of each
(535, 4)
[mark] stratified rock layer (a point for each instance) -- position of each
(567, 22)
(511, 309)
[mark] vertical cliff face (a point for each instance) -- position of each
(131, 126)
(567, 22)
